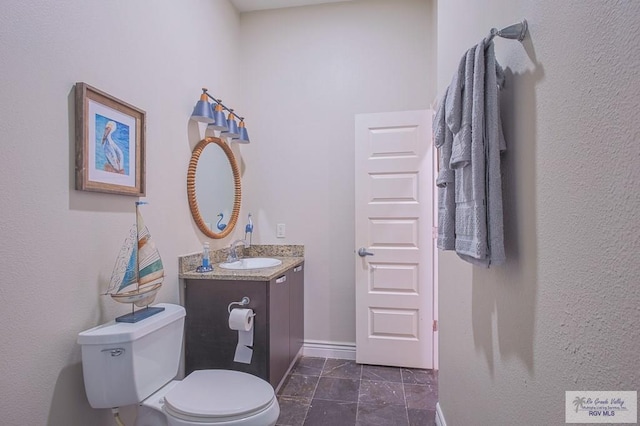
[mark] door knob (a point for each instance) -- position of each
(362, 252)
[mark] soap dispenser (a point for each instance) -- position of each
(206, 261)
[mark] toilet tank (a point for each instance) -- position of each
(124, 363)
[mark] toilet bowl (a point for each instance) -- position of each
(211, 397)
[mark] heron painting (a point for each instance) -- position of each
(112, 145)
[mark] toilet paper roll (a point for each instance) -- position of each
(242, 321)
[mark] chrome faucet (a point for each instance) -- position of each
(233, 250)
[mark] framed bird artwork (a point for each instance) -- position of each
(110, 143)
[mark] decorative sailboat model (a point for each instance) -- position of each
(138, 273)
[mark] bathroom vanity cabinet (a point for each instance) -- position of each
(278, 325)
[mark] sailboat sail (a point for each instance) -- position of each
(138, 272)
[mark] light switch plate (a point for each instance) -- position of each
(280, 230)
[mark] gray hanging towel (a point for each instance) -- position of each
(471, 227)
(494, 146)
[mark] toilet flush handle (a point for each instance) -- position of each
(114, 351)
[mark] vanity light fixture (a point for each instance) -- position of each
(228, 127)
(244, 135)
(202, 112)
(219, 121)
(232, 131)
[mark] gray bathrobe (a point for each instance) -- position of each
(443, 140)
(469, 144)
(448, 116)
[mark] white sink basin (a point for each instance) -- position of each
(251, 263)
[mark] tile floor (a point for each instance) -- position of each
(337, 392)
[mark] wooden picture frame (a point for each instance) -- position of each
(110, 143)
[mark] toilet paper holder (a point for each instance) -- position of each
(244, 302)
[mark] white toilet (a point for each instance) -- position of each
(126, 364)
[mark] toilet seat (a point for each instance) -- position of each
(218, 396)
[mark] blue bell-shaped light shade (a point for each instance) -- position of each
(203, 111)
(233, 131)
(243, 137)
(219, 121)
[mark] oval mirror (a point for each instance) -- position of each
(213, 188)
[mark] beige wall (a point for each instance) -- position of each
(305, 72)
(562, 313)
(58, 245)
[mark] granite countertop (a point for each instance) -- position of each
(291, 256)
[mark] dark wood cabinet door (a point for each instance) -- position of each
(278, 328)
(296, 317)
(209, 342)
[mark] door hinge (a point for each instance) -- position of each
(435, 325)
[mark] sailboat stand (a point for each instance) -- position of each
(138, 273)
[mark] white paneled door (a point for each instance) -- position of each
(394, 246)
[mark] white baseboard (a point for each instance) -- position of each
(323, 349)
(439, 416)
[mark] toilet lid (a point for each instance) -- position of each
(218, 393)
